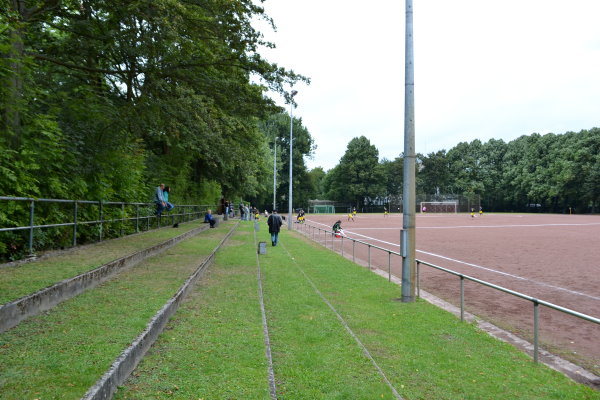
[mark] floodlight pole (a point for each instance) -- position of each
(274, 173)
(294, 92)
(407, 239)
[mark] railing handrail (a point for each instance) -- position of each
(70, 201)
(536, 302)
(187, 212)
(514, 293)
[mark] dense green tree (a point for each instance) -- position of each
(393, 177)
(316, 177)
(359, 176)
(104, 99)
(135, 92)
(435, 175)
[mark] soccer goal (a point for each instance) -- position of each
(323, 209)
(439, 206)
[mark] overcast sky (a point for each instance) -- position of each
(483, 69)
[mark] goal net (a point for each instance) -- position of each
(439, 206)
(323, 209)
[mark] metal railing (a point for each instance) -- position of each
(306, 229)
(128, 212)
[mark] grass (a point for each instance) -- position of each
(214, 347)
(427, 352)
(25, 279)
(62, 353)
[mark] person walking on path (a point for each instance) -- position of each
(274, 221)
(159, 200)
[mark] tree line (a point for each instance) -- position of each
(104, 100)
(544, 173)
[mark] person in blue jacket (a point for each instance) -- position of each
(159, 200)
(208, 218)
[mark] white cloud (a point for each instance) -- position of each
(483, 69)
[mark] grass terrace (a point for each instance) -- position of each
(214, 347)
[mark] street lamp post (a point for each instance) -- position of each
(294, 92)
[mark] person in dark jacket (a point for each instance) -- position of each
(274, 223)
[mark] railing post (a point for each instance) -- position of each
(462, 298)
(31, 212)
(369, 256)
(536, 321)
(389, 266)
(353, 246)
(137, 218)
(122, 218)
(418, 279)
(101, 221)
(147, 222)
(75, 223)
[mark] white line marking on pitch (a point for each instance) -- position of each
(479, 267)
(478, 226)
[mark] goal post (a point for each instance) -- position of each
(323, 209)
(439, 207)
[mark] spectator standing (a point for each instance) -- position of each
(242, 214)
(159, 200)
(274, 221)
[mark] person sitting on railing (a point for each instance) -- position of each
(208, 218)
(159, 200)
(166, 192)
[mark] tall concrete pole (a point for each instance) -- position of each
(409, 192)
(274, 174)
(294, 92)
